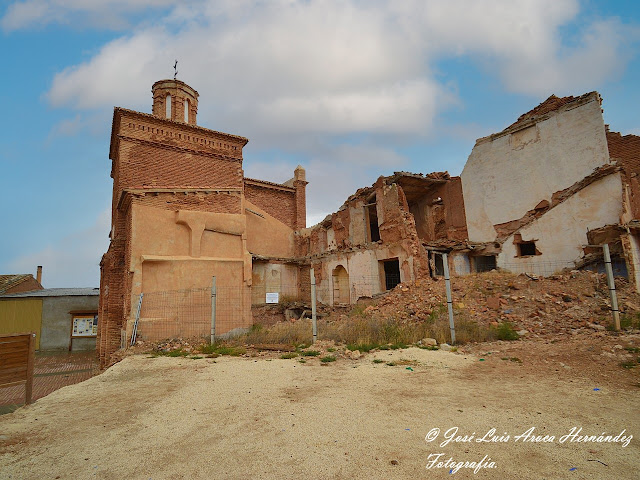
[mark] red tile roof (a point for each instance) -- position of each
(9, 281)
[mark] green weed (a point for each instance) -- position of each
(286, 356)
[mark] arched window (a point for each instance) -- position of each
(168, 105)
(186, 110)
(340, 285)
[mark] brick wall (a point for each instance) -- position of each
(279, 203)
(626, 150)
(214, 202)
(150, 153)
(145, 164)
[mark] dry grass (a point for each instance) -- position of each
(286, 333)
(360, 329)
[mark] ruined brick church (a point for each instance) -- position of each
(183, 212)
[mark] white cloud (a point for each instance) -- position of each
(337, 66)
(74, 260)
(108, 14)
(334, 173)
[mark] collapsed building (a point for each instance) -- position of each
(539, 196)
(384, 235)
(538, 189)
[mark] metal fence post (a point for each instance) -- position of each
(134, 333)
(313, 306)
(213, 310)
(612, 287)
(447, 282)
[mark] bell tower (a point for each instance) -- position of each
(175, 100)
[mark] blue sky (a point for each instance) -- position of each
(349, 89)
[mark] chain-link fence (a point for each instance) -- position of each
(192, 313)
(222, 310)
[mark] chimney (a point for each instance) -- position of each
(39, 274)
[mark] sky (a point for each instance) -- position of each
(350, 90)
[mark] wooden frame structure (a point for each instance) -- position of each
(17, 358)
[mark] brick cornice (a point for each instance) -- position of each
(176, 148)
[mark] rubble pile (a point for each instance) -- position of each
(566, 303)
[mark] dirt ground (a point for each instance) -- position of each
(268, 418)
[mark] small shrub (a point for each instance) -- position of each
(286, 356)
(310, 353)
(429, 347)
(512, 359)
(505, 331)
(630, 364)
(357, 311)
(377, 360)
(362, 347)
(331, 349)
(328, 358)
(302, 360)
(196, 357)
(176, 353)
(219, 349)
(391, 364)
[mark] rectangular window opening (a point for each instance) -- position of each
(391, 269)
(372, 219)
(485, 263)
(526, 249)
(439, 265)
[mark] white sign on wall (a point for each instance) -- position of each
(272, 297)
(85, 326)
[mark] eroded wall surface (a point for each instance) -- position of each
(561, 233)
(344, 240)
(509, 173)
(545, 181)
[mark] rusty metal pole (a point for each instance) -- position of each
(612, 287)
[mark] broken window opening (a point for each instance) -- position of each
(526, 249)
(391, 269)
(485, 263)
(439, 265)
(372, 219)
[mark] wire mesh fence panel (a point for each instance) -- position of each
(233, 309)
(174, 314)
(285, 293)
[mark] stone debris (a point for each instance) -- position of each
(565, 303)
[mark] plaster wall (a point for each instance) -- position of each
(363, 267)
(273, 278)
(173, 251)
(561, 232)
(267, 235)
(461, 264)
(546, 157)
(56, 321)
(357, 224)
